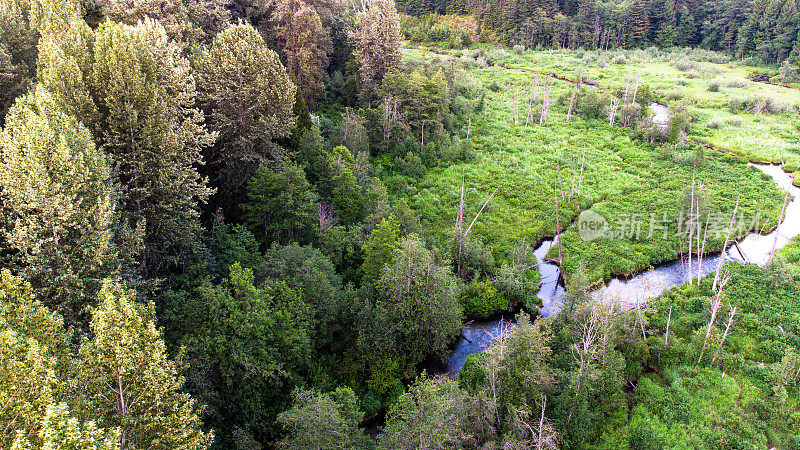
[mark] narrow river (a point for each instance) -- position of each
(755, 248)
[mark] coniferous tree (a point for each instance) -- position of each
(638, 24)
(183, 20)
(17, 54)
(380, 248)
(306, 45)
(57, 184)
(419, 295)
(281, 205)
(377, 41)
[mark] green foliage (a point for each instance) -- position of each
(131, 86)
(323, 421)
(416, 313)
(118, 390)
(377, 41)
(281, 205)
(57, 184)
(244, 379)
(482, 299)
(429, 415)
(129, 382)
(380, 248)
(309, 271)
(17, 54)
(248, 91)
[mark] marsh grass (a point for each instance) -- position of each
(622, 175)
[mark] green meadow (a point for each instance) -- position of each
(532, 167)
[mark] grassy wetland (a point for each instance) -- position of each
(367, 225)
(624, 172)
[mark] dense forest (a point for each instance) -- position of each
(265, 224)
(765, 29)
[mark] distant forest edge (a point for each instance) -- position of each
(766, 30)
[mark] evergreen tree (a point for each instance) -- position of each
(687, 29)
(57, 184)
(638, 24)
(377, 41)
(281, 205)
(419, 295)
(17, 54)
(306, 45)
(380, 248)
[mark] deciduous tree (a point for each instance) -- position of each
(58, 186)
(247, 90)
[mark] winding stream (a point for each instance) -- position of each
(755, 248)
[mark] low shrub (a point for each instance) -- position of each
(684, 65)
(714, 85)
(519, 49)
(674, 94)
(736, 83)
(482, 299)
(620, 59)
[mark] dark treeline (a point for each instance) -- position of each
(767, 29)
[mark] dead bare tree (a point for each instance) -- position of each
(392, 118)
(558, 227)
(666, 334)
(531, 99)
(461, 234)
(691, 228)
(326, 217)
(702, 249)
(546, 435)
(545, 103)
(612, 109)
(573, 96)
(725, 245)
(493, 365)
(584, 346)
(580, 177)
(627, 88)
(636, 88)
(716, 302)
(560, 182)
(725, 334)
